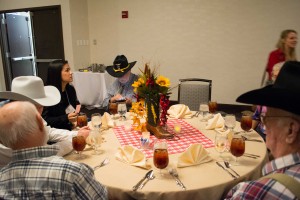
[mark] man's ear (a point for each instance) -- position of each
(40, 122)
(293, 132)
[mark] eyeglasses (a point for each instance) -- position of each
(2, 103)
(263, 118)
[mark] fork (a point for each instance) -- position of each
(104, 162)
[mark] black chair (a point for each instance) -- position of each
(193, 91)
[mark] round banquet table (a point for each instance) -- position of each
(204, 181)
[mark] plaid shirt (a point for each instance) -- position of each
(269, 188)
(36, 173)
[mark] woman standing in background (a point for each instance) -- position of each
(60, 75)
(285, 50)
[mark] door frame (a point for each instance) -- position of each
(4, 44)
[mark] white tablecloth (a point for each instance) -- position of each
(205, 181)
(91, 87)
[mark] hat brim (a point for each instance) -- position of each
(273, 97)
(52, 97)
(110, 70)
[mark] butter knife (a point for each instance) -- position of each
(233, 176)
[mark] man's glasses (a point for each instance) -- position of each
(263, 118)
(2, 103)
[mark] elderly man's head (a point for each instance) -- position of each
(21, 126)
(282, 119)
(282, 131)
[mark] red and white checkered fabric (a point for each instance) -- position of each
(189, 135)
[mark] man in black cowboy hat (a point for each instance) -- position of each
(282, 129)
(121, 89)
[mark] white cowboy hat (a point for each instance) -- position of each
(32, 89)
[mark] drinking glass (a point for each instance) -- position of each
(96, 140)
(96, 120)
(78, 143)
(204, 110)
(220, 143)
(73, 120)
(160, 155)
(122, 109)
(113, 109)
(81, 120)
(237, 147)
(246, 122)
(213, 106)
(230, 121)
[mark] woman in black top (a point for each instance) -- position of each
(60, 75)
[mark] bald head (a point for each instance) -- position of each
(21, 126)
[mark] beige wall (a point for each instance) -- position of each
(226, 41)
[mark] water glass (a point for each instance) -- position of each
(204, 111)
(96, 140)
(221, 141)
(96, 120)
(122, 109)
(230, 121)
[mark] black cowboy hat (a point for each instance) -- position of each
(283, 94)
(120, 66)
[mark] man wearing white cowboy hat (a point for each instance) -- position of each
(32, 89)
(121, 89)
(281, 176)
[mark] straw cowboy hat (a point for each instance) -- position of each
(120, 66)
(32, 89)
(283, 94)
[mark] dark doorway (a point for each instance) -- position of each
(30, 39)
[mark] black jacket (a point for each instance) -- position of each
(56, 115)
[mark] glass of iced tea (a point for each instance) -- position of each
(246, 122)
(160, 155)
(113, 109)
(237, 147)
(78, 143)
(213, 106)
(81, 120)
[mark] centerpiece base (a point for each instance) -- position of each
(159, 132)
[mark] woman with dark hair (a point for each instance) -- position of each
(60, 75)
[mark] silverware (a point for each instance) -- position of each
(174, 173)
(252, 140)
(195, 114)
(134, 188)
(250, 154)
(228, 166)
(150, 176)
(104, 162)
(233, 176)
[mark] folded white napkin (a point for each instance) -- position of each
(107, 122)
(217, 123)
(133, 156)
(179, 111)
(195, 154)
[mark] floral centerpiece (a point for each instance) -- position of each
(153, 92)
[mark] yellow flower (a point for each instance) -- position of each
(163, 81)
(138, 83)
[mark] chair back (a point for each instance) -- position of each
(193, 91)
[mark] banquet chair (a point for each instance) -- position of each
(193, 91)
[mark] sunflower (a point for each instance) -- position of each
(163, 81)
